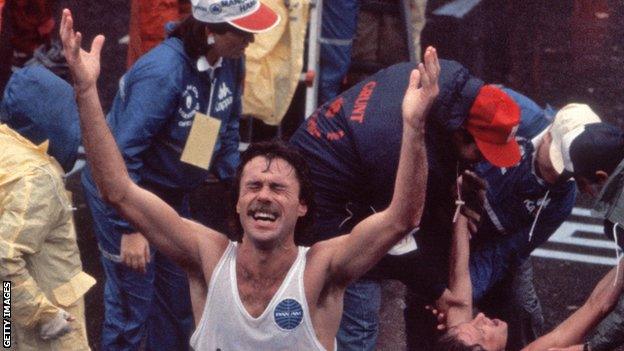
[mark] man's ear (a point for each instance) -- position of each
(302, 209)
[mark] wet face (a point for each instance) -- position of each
(232, 43)
(491, 334)
(268, 205)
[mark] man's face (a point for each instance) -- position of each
(589, 187)
(491, 334)
(232, 44)
(268, 205)
(550, 175)
(542, 160)
(466, 148)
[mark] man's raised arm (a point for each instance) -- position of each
(356, 253)
(163, 227)
(574, 329)
(456, 301)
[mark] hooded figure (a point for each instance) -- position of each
(39, 254)
(41, 106)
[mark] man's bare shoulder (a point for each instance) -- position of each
(319, 257)
(323, 250)
(210, 244)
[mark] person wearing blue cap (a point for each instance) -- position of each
(609, 204)
(39, 256)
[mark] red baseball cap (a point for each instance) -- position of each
(493, 121)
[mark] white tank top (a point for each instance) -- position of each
(226, 325)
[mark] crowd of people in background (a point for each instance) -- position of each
(421, 173)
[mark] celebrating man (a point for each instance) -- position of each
(267, 292)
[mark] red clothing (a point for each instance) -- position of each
(147, 23)
(32, 23)
(1, 6)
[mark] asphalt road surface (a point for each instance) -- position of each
(554, 51)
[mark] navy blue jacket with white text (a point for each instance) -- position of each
(352, 145)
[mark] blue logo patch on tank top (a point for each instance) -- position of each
(288, 314)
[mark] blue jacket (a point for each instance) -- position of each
(153, 112)
(513, 195)
(41, 106)
(353, 142)
(352, 145)
(513, 198)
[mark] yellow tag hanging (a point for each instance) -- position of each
(201, 141)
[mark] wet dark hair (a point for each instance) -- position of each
(449, 342)
(277, 149)
(193, 35)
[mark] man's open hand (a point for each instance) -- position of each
(422, 90)
(84, 66)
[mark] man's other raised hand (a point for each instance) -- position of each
(84, 66)
(422, 90)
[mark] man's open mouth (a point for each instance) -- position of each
(264, 216)
(263, 212)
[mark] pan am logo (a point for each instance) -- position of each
(288, 314)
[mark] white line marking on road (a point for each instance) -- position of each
(568, 256)
(565, 235)
(579, 211)
(565, 232)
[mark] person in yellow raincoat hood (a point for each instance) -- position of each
(39, 257)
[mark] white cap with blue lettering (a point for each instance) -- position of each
(248, 15)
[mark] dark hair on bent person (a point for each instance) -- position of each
(193, 35)
(272, 150)
(449, 342)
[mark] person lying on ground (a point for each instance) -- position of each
(465, 332)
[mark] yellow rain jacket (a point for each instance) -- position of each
(274, 63)
(38, 250)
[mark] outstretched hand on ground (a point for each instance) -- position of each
(84, 66)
